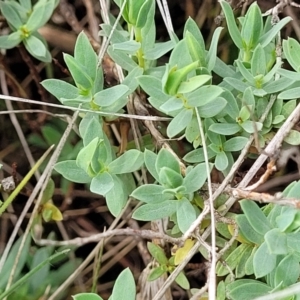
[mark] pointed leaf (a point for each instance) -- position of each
(151, 193)
(195, 178)
(186, 215)
(124, 287)
(102, 183)
(180, 122)
(150, 212)
(128, 162)
(69, 170)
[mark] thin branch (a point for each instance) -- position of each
(145, 234)
(264, 197)
(107, 41)
(197, 222)
(42, 183)
(144, 118)
(16, 123)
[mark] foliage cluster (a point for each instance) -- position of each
(216, 121)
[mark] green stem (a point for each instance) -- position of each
(140, 53)
(22, 184)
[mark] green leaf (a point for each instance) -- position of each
(174, 77)
(293, 138)
(156, 273)
(258, 62)
(180, 122)
(116, 198)
(15, 286)
(212, 52)
(255, 216)
(128, 162)
(39, 279)
(287, 272)
(195, 178)
(277, 85)
(85, 55)
(122, 59)
(263, 262)
(166, 159)
(251, 127)
(186, 214)
(48, 192)
(252, 27)
(124, 287)
(10, 41)
(289, 74)
(212, 108)
(157, 253)
(196, 156)
(102, 183)
(286, 218)
(231, 108)
(225, 128)
(271, 34)
(91, 127)
(159, 50)
(170, 178)
(193, 83)
(173, 104)
(240, 268)
(151, 193)
(131, 79)
(10, 261)
(150, 162)
(26, 4)
(86, 155)
(235, 144)
(278, 119)
(153, 87)
(179, 58)
(245, 113)
(150, 212)
(276, 241)
(247, 289)
(196, 49)
(204, 95)
(35, 47)
(11, 15)
(82, 80)
(87, 296)
(142, 14)
(237, 84)
(221, 161)
(249, 264)
(232, 27)
(192, 27)
(40, 15)
(221, 291)
(288, 107)
(65, 270)
(69, 170)
(245, 72)
(182, 281)
(60, 89)
(129, 47)
(293, 241)
(232, 260)
(247, 230)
